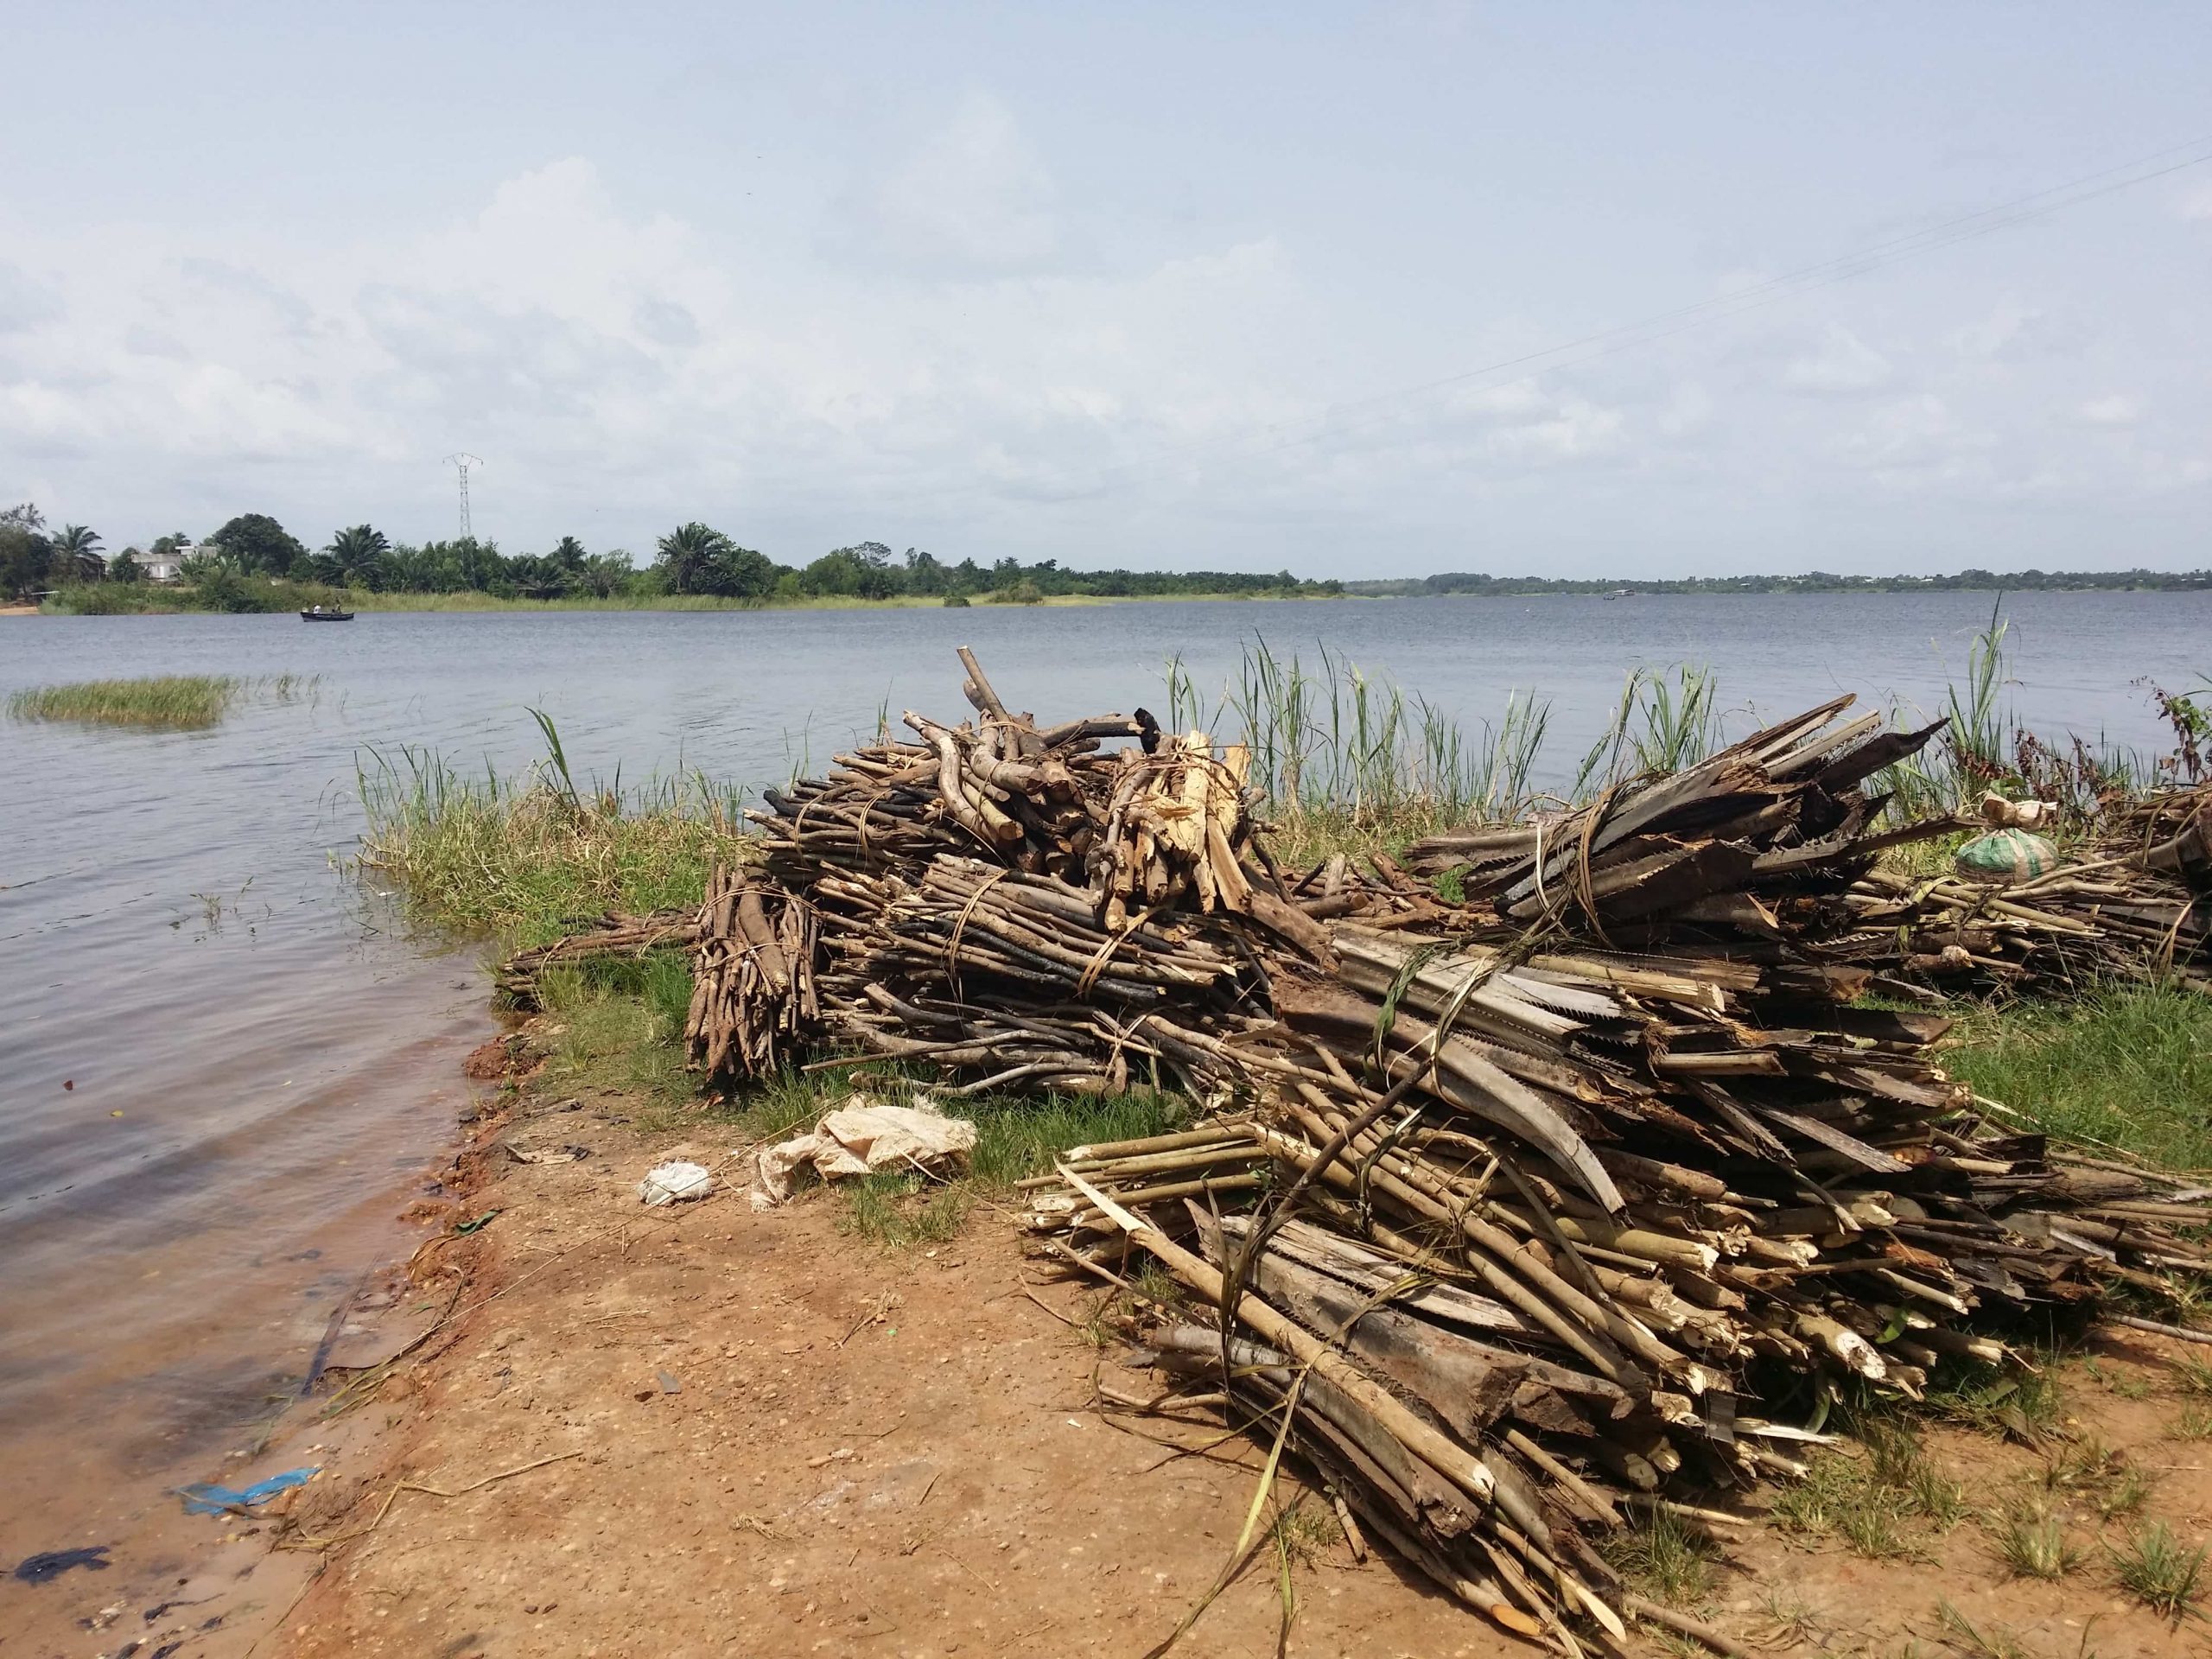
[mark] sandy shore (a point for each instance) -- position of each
(705, 1430)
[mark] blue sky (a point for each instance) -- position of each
(1148, 285)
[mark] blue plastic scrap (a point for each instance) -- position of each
(207, 1498)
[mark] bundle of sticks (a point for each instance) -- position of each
(1729, 849)
(2133, 901)
(978, 969)
(755, 1000)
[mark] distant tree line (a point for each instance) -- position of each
(1812, 581)
(231, 568)
(236, 569)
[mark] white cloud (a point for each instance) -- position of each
(621, 369)
(1842, 364)
(973, 195)
(2014, 332)
(25, 301)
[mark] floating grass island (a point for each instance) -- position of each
(162, 703)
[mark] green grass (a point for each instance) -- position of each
(2154, 1567)
(2030, 1539)
(2127, 1068)
(900, 1212)
(1663, 1559)
(618, 1028)
(1019, 1135)
(1879, 1498)
(163, 702)
(2018, 1401)
(530, 857)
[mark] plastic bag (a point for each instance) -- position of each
(672, 1182)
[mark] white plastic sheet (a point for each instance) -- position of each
(861, 1138)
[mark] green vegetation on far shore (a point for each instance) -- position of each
(262, 595)
(168, 703)
(253, 563)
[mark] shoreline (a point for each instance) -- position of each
(486, 604)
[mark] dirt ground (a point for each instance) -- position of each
(699, 1430)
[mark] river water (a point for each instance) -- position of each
(223, 1069)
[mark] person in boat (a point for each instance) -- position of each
(318, 610)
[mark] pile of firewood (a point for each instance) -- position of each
(2131, 901)
(1515, 1213)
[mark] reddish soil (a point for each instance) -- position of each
(866, 1452)
(701, 1430)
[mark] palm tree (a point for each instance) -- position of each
(359, 553)
(76, 553)
(691, 558)
(569, 553)
(358, 546)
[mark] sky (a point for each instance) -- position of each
(1162, 286)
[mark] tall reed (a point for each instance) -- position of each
(1346, 759)
(1987, 746)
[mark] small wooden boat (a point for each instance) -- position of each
(326, 616)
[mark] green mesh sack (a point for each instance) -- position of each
(2005, 855)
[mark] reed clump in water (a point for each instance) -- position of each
(527, 857)
(162, 702)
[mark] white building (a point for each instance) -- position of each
(165, 567)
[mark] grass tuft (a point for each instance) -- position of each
(1876, 1499)
(2024, 1403)
(2031, 1542)
(164, 703)
(1980, 1642)
(2154, 1567)
(903, 1211)
(1664, 1558)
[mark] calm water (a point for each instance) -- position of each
(221, 1069)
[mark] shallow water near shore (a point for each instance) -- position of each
(226, 1070)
